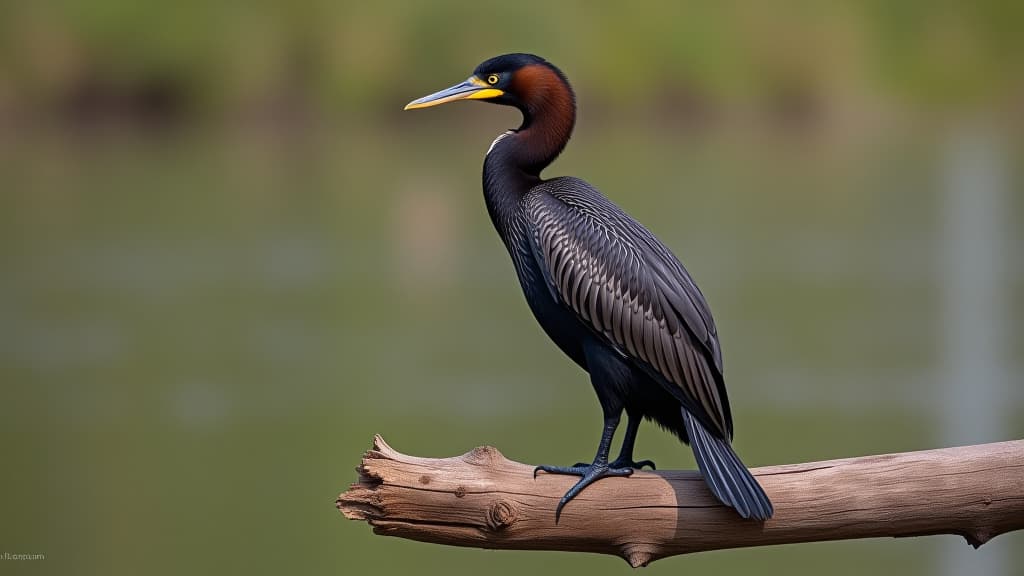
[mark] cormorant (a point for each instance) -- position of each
(609, 293)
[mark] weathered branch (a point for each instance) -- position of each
(484, 500)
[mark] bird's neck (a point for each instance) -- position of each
(505, 182)
(538, 144)
(549, 114)
(512, 167)
(548, 106)
(517, 157)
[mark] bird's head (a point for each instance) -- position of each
(534, 86)
(525, 81)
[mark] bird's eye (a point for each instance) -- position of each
(492, 79)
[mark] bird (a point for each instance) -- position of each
(610, 294)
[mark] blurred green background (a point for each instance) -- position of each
(229, 258)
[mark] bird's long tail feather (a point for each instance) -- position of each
(727, 477)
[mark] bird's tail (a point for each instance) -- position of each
(727, 477)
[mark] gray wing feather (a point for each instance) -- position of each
(630, 289)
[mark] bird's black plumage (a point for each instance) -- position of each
(609, 293)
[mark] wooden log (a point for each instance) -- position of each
(484, 500)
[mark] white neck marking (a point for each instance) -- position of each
(500, 137)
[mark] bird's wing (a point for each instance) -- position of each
(622, 282)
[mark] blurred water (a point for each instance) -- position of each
(202, 330)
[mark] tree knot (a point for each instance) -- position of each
(501, 515)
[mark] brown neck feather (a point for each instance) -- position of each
(549, 114)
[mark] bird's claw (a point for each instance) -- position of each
(579, 469)
(589, 473)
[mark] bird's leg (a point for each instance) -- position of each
(592, 473)
(625, 459)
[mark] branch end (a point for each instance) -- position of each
(381, 449)
(359, 503)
